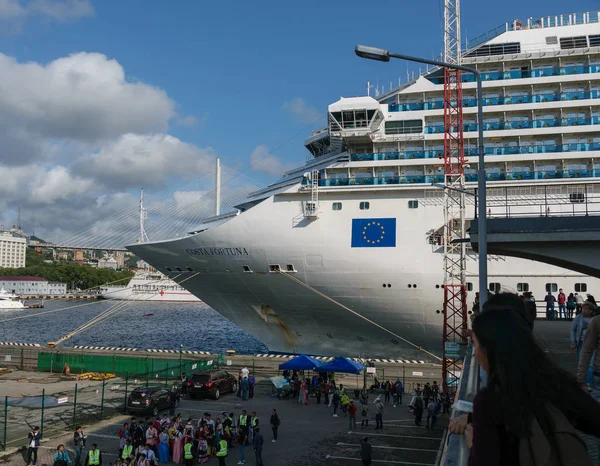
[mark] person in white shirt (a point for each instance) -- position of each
(245, 373)
(150, 456)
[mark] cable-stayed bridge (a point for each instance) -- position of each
(168, 213)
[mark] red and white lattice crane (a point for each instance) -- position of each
(455, 293)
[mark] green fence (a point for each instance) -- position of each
(123, 365)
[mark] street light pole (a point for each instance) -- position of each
(373, 53)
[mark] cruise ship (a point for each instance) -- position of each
(344, 255)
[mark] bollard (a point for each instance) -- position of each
(5, 421)
(180, 357)
(102, 400)
(42, 420)
(75, 408)
(126, 383)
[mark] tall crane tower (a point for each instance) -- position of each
(455, 293)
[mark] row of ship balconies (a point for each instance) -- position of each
(518, 123)
(525, 73)
(490, 101)
(469, 177)
(473, 152)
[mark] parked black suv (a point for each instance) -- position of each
(211, 383)
(149, 399)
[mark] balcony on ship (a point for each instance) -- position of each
(525, 73)
(511, 170)
(516, 99)
(504, 148)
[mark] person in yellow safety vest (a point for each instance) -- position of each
(222, 453)
(254, 424)
(188, 455)
(127, 449)
(94, 457)
(243, 424)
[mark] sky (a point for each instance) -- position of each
(99, 98)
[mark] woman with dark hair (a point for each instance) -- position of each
(526, 398)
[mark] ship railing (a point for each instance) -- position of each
(472, 152)
(491, 101)
(521, 124)
(524, 175)
(544, 201)
(531, 23)
(525, 74)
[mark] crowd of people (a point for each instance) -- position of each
(530, 410)
(148, 442)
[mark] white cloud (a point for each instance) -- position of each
(57, 184)
(77, 141)
(145, 160)
(261, 160)
(17, 12)
(302, 112)
(84, 96)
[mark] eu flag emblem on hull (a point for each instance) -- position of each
(373, 232)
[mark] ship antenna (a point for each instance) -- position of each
(143, 216)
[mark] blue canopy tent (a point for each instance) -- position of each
(302, 363)
(343, 365)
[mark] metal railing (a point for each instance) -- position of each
(456, 451)
(544, 201)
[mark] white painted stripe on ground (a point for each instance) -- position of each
(102, 435)
(384, 447)
(347, 458)
(370, 434)
(74, 452)
(399, 420)
(406, 427)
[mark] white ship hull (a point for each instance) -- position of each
(11, 305)
(290, 317)
(148, 286)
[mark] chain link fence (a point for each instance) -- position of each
(95, 387)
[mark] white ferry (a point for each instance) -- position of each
(353, 235)
(149, 286)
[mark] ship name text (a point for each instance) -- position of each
(217, 252)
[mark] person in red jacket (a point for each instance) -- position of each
(562, 304)
(352, 414)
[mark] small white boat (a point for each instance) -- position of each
(10, 301)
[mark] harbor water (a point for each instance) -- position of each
(196, 326)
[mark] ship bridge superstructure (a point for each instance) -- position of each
(541, 113)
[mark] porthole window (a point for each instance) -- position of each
(290, 268)
(414, 285)
(274, 268)
(580, 287)
(384, 285)
(410, 286)
(522, 287)
(365, 205)
(337, 206)
(413, 204)
(469, 286)
(495, 287)
(389, 285)
(552, 287)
